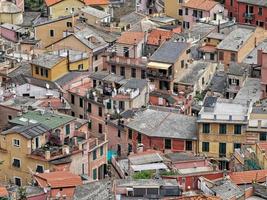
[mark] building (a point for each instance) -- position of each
(162, 130)
(60, 184)
(194, 10)
(13, 32)
(247, 12)
(221, 129)
(94, 16)
(10, 13)
(168, 63)
(127, 60)
(174, 9)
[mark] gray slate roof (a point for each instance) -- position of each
(47, 60)
(132, 18)
(95, 12)
(238, 69)
(169, 52)
(236, 39)
(145, 182)
(218, 82)
(255, 2)
(156, 123)
(69, 77)
(252, 56)
(135, 83)
(28, 131)
(145, 159)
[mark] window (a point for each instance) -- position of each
(40, 169)
(233, 57)
(119, 133)
(66, 9)
(237, 129)
(212, 56)
(96, 57)
(72, 114)
(17, 181)
(222, 129)
(72, 99)
(180, 12)
(100, 128)
(16, 163)
(222, 149)
(263, 136)
(122, 71)
(186, 11)
(69, 24)
(237, 146)
(81, 102)
(126, 52)
(133, 72)
(231, 2)
(130, 134)
(100, 111)
(130, 148)
(182, 63)
(89, 124)
(16, 143)
(143, 74)
(221, 55)
(119, 150)
(101, 151)
(139, 138)
(113, 69)
(194, 13)
(203, 81)
(94, 174)
(205, 146)
(94, 155)
(89, 107)
(67, 128)
(80, 116)
(188, 146)
(36, 70)
(42, 71)
(206, 128)
(37, 142)
(9, 117)
(168, 143)
(52, 33)
(260, 11)
(80, 67)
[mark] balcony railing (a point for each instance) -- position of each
(249, 16)
(158, 75)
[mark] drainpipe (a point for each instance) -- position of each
(68, 60)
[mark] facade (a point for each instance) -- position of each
(12, 32)
(174, 9)
(10, 13)
(94, 16)
(221, 129)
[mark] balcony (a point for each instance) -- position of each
(134, 62)
(159, 75)
(249, 16)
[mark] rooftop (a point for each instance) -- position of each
(156, 123)
(145, 182)
(47, 60)
(238, 69)
(205, 5)
(169, 52)
(8, 7)
(51, 120)
(106, 76)
(236, 39)
(28, 131)
(248, 177)
(156, 36)
(218, 82)
(215, 35)
(253, 55)
(180, 157)
(145, 158)
(131, 38)
(131, 18)
(73, 55)
(260, 107)
(253, 2)
(95, 12)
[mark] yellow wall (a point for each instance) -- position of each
(42, 32)
(59, 9)
(8, 172)
(84, 62)
(54, 73)
(15, 18)
(214, 138)
(171, 9)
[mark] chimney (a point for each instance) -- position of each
(259, 57)
(159, 42)
(219, 26)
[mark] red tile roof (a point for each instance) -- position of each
(3, 192)
(86, 2)
(131, 38)
(157, 34)
(55, 103)
(58, 179)
(208, 48)
(246, 177)
(51, 2)
(206, 5)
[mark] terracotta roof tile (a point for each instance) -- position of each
(246, 177)
(156, 34)
(3, 192)
(131, 38)
(206, 5)
(96, 2)
(51, 2)
(58, 179)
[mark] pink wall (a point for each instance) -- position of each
(8, 34)
(263, 72)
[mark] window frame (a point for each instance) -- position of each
(15, 145)
(167, 143)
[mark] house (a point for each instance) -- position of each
(127, 60)
(163, 131)
(84, 40)
(193, 10)
(237, 44)
(221, 128)
(49, 66)
(174, 9)
(247, 12)
(60, 184)
(10, 13)
(94, 16)
(168, 63)
(12, 32)
(143, 187)
(261, 61)
(50, 31)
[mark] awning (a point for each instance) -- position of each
(156, 65)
